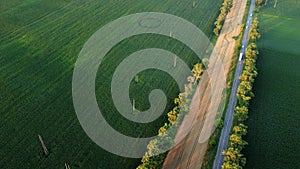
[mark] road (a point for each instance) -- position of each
(224, 138)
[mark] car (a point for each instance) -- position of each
(241, 57)
(251, 14)
(243, 46)
(247, 27)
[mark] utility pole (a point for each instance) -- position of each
(275, 3)
(194, 4)
(175, 61)
(133, 105)
(43, 145)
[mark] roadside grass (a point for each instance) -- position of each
(273, 125)
(40, 41)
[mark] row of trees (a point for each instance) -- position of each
(234, 159)
(224, 10)
(156, 149)
(254, 31)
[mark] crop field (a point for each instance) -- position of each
(39, 43)
(273, 133)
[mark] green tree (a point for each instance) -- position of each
(198, 71)
(240, 129)
(172, 116)
(259, 2)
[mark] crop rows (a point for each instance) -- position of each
(40, 42)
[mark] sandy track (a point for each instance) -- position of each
(189, 153)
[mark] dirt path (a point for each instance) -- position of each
(190, 152)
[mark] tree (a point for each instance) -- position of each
(243, 161)
(212, 142)
(216, 31)
(219, 123)
(235, 139)
(230, 165)
(232, 154)
(162, 130)
(240, 129)
(198, 71)
(172, 116)
(237, 142)
(178, 100)
(259, 2)
(254, 31)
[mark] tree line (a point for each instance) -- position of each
(175, 117)
(234, 159)
(224, 10)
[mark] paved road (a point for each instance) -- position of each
(223, 143)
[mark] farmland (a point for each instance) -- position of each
(273, 133)
(39, 44)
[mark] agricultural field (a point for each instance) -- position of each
(273, 133)
(39, 43)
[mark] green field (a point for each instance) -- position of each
(39, 43)
(273, 133)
